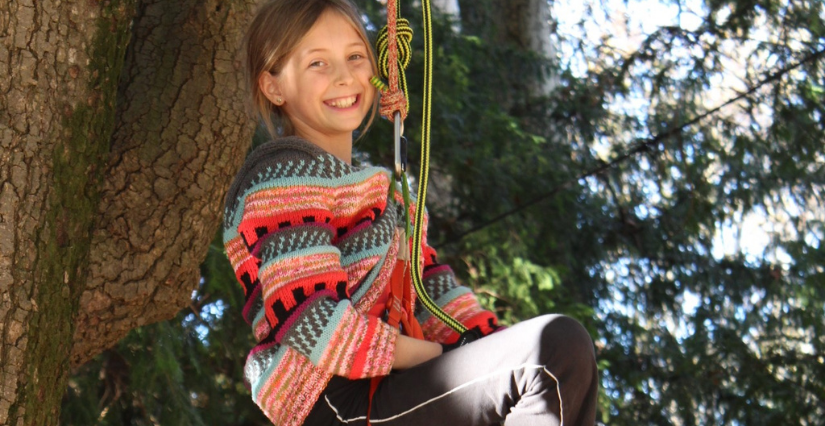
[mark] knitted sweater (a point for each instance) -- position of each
(313, 242)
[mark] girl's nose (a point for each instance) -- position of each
(343, 75)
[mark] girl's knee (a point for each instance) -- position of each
(561, 331)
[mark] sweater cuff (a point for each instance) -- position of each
(359, 347)
(466, 310)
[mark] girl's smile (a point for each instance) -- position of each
(345, 102)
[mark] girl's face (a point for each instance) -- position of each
(324, 86)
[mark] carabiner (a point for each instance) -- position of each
(400, 145)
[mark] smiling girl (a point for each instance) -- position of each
(314, 241)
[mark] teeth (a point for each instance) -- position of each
(343, 102)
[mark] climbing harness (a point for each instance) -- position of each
(394, 54)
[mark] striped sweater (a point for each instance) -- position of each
(313, 242)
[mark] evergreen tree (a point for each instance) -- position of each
(576, 203)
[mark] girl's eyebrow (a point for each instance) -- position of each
(316, 50)
(324, 49)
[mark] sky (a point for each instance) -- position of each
(625, 24)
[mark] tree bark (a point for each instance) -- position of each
(121, 126)
(181, 134)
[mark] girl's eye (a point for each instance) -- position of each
(356, 56)
(316, 64)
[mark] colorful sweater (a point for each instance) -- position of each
(313, 242)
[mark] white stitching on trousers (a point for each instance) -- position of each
(340, 419)
(456, 389)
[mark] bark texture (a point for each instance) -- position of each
(55, 117)
(113, 168)
(181, 133)
(527, 24)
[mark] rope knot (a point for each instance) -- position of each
(403, 37)
(394, 54)
(392, 101)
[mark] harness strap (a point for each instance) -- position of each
(400, 304)
(400, 301)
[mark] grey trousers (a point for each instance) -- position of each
(538, 372)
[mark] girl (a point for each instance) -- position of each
(314, 242)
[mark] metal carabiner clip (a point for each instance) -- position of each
(400, 146)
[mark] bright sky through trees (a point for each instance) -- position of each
(623, 25)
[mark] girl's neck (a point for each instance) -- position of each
(338, 145)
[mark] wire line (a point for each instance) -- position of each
(644, 146)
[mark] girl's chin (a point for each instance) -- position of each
(346, 119)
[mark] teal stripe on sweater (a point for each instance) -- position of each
(274, 359)
(332, 323)
(355, 257)
(309, 251)
(258, 317)
(367, 282)
(350, 179)
(356, 177)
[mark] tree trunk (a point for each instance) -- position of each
(447, 7)
(121, 125)
(181, 134)
(525, 24)
(528, 24)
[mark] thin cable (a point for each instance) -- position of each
(645, 146)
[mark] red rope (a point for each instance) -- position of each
(392, 100)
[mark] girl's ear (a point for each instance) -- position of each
(268, 85)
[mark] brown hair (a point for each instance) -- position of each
(276, 29)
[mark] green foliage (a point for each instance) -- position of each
(688, 330)
(748, 352)
(187, 371)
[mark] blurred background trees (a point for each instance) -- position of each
(654, 169)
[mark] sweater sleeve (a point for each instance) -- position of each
(456, 300)
(288, 226)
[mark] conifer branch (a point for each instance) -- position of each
(645, 146)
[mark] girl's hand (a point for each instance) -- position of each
(410, 352)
